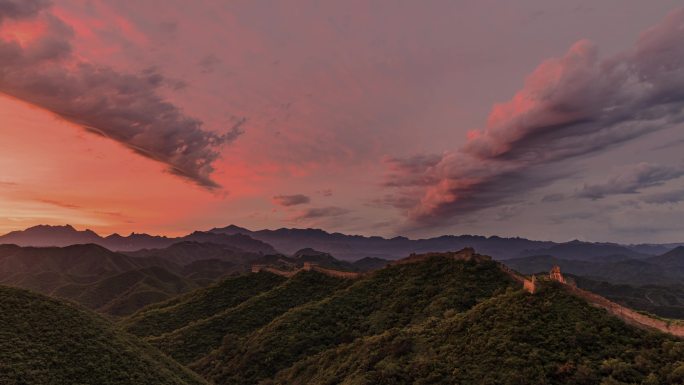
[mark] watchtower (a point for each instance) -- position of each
(530, 285)
(555, 275)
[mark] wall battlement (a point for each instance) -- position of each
(308, 266)
(466, 254)
(270, 269)
(627, 315)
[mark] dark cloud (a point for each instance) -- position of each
(418, 169)
(400, 200)
(556, 197)
(321, 212)
(570, 106)
(21, 9)
(674, 196)
(325, 192)
(291, 200)
(124, 107)
(632, 181)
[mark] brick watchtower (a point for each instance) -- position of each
(555, 275)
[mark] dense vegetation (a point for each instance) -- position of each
(398, 296)
(198, 305)
(102, 280)
(548, 338)
(662, 300)
(115, 283)
(47, 341)
(195, 340)
(435, 320)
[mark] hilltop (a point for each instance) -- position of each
(225, 329)
(410, 322)
(47, 341)
(514, 338)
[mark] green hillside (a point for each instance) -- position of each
(168, 316)
(47, 341)
(197, 339)
(102, 280)
(126, 292)
(662, 300)
(551, 337)
(397, 296)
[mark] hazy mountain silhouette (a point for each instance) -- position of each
(61, 236)
(341, 246)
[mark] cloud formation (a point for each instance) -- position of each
(632, 181)
(21, 9)
(570, 106)
(291, 200)
(128, 108)
(674, 196)
(321, 212)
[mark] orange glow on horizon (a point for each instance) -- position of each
(53, 172)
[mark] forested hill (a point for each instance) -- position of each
(438, 318)
(47, 341)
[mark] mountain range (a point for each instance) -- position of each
(44, 235)
(192, 312)
(341, 246)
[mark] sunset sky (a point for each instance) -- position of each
(547, 120)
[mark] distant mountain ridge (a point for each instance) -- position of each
(60, 236)
(629, 268)
(355, 247)
(341, 246)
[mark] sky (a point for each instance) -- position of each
(545, 120)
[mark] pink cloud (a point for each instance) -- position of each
(128, 108)
(569, 106)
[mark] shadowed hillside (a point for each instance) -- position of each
(514, 338)
(200, 337)
(662, 300)
(397, 296)
(168, 316)
(100, 279)
(46, 341)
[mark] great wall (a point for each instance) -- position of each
(531, 285)
(627, 315)
(308, 266)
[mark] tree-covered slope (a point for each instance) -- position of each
(397, 296)
(175, 313)
(551, 337)
(47, 341)
(121, 294)
(197, 339)
(102, 280)
(662, 300)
